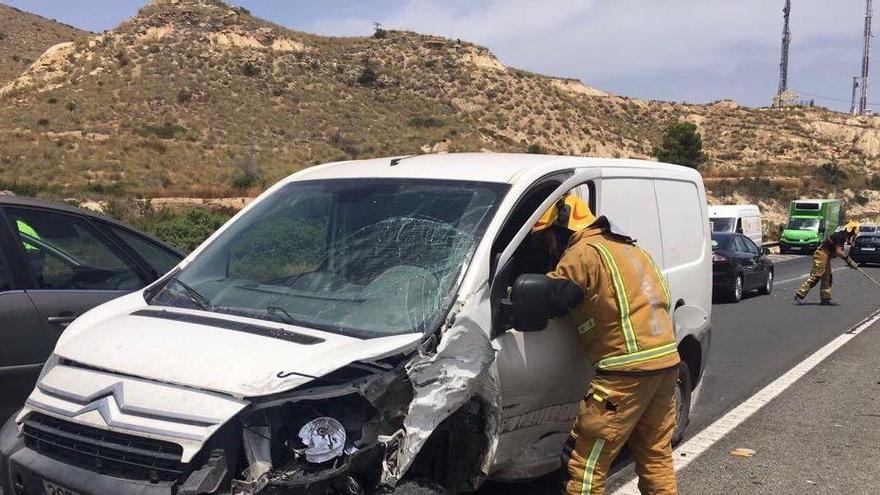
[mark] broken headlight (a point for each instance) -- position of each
(324, 439)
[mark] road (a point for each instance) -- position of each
(753, 343)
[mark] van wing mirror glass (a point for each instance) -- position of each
(527, 307)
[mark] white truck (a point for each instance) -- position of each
(347, 333)
(740, 219)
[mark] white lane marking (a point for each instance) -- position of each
(702, 441)
(802, 277)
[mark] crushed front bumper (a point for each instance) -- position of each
(23, 471)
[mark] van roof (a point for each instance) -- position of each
(479, 167)
(815, 200)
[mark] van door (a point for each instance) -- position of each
(542, 375)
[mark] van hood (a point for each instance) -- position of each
(233, 355)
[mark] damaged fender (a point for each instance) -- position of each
(458, 372)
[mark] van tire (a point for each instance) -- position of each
(417, 487)
(683, 402)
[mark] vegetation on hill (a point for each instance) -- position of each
(196, 98)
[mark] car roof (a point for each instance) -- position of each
(54, 205)
(478, 167)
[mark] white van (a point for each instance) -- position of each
(348, 331)
(741, 219)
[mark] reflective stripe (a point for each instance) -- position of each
(590, 468)
(629, 335)
(637, 357)
(662, 279)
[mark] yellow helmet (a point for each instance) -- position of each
(570, 212)
(852, 227)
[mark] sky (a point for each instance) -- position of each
(695, 51)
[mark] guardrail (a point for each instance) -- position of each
(770, 244)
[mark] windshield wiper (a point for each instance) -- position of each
(193, 295)
(279, 311)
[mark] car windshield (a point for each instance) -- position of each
(867, 228)
(722, 224)
(803, 224)
(365, 257)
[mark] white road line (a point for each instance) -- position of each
(789, 280)
(702, 441)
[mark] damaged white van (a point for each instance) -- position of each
(350, 332)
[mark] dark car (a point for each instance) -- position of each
(738, 266)
(56, 263)
(866, 249)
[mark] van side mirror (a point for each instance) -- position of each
(527, 307)
(535, 299)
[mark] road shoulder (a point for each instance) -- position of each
(822, 435)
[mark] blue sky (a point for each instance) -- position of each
(677, 50)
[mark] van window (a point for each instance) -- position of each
(806, 206)
(630, 203)
(682, 222)
(720, 224)
(364, 257)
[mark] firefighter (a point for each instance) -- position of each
(830, 248)
(622, 315)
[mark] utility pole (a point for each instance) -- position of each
(783, 62)
(866, 59)
(855, 96)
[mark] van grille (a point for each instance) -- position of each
(103, 451)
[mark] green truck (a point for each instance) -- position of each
(810, 221)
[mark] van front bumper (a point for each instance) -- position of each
(23, 470)
(798, 247)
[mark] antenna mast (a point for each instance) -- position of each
(866, 59)
(786, 43)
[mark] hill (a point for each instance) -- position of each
(25, 36)
(197, 98)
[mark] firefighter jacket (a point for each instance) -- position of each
(624, 320)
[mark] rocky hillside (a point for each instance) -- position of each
(25, 36)
(193, 97)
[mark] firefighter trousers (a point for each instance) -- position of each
(634, 410)
(821, 272)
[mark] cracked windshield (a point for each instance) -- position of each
(363, 258)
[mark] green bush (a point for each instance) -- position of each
(681, 145)
(185, 228)
(21, 188)
(368, 77)
(535, 149)
(164, 131)
(250, 70)
(426, 122)
(832, 174)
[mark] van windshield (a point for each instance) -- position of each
(803, 224)
(365, 257)
(722, 224)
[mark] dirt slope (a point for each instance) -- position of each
(192, 96)
(25, 36)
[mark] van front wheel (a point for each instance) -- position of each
(682, 402)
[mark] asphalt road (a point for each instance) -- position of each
(753, 343)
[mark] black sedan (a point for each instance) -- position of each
(866, 249)
(738, 266)
(56, 263)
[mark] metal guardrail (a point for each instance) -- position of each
(770, 244)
